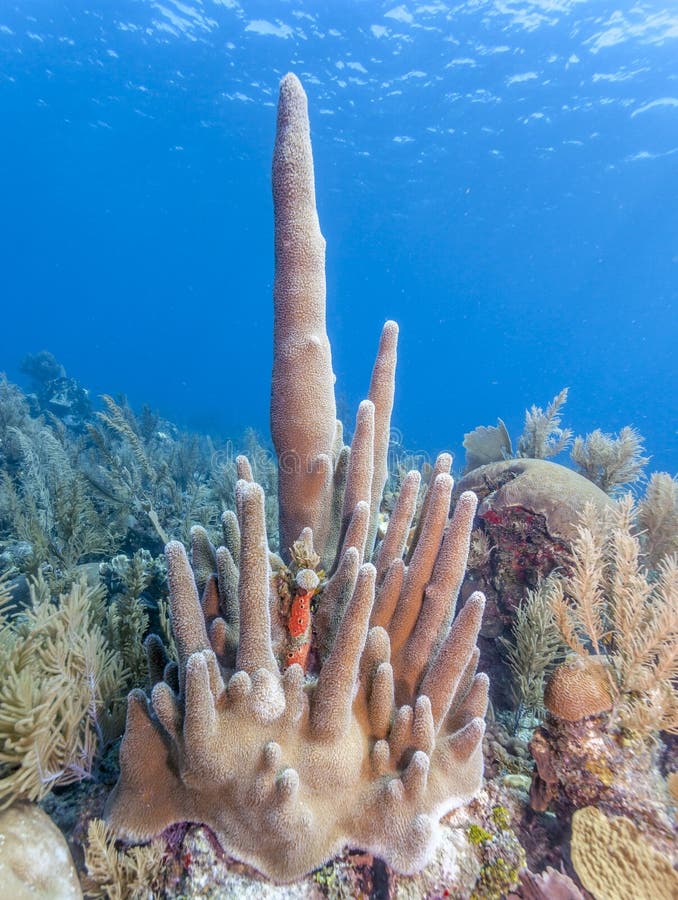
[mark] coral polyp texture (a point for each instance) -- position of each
(326, 700)
(579, 688)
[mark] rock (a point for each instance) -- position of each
(42, 367)
(526, 521)
(528, 515)
(200, 870)
(549, 885)
(587, 763)
(542, 488)
(517, 782)
(35, 861)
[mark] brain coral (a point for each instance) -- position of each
(579, 688)
(614, 862)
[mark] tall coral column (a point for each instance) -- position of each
(303, 409)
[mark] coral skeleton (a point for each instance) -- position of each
(379, 733)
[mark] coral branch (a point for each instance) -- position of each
(303, 410)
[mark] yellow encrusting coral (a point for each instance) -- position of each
(477, 834)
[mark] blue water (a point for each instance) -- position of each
(500, 177)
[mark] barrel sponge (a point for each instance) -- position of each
(579, 688)
(614, 862)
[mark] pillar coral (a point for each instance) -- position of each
(381, 734)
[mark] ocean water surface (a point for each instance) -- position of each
(500, 176)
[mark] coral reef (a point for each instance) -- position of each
(542, 435)
(381, 735)
(47, 517)
(658, 520)
(610, 462)
(487, 444)
(114, 874)
(542, 488)
(134, 463)
(72, 493)
(611, 702)
(316, 474)
(131, 582)
(306, 707)
(53, 392)
(608, 703)
(579, 688)
(549, 885)
(195, 866)
(621, 777)
(528, 526)
(499, 852)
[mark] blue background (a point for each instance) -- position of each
(500, 177)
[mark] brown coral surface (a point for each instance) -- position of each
(579, 688)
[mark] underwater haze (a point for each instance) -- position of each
(499, 176)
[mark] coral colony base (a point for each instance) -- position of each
(324, 701)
